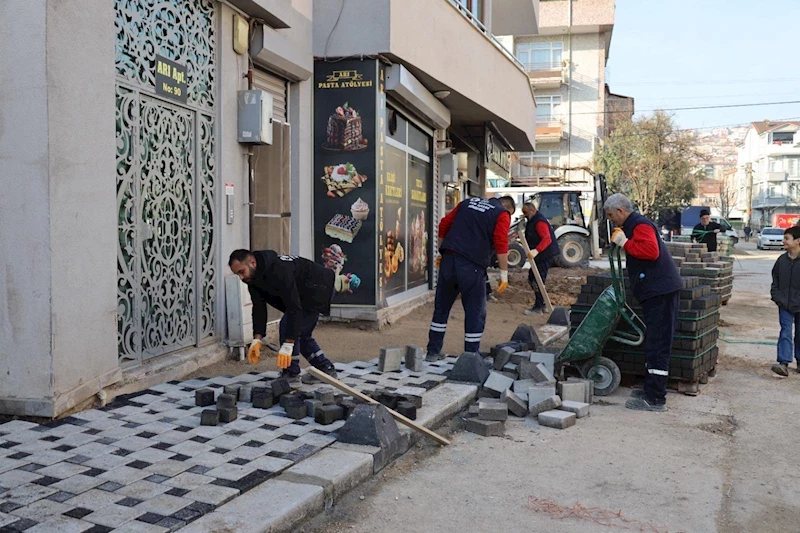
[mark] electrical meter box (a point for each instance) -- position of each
(255, 117)
(448, 168)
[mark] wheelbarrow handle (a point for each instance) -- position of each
(631, 339)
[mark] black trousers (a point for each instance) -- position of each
(661, 318)
(543, 266)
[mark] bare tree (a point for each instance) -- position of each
(727, 196)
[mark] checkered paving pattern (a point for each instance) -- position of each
(145, 464)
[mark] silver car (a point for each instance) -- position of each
(770, 238)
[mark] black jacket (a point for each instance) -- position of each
(785, 289)
(291, 285)
(710, 239)
(533, 239)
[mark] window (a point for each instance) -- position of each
(792, 165)
(547, 108)
(475, 7)
(782, 137)
(775, 165)
(540, 56)
(528, 164)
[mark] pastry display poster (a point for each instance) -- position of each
(419, 212)
(345, 184)
(392, 195)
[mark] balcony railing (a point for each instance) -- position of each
(536, 67)
(478, 24)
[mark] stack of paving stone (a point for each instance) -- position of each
(521, 382)
(694, 350)
(713, 268)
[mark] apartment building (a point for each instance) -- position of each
(127, 185)
(767, 178)
(566, 64)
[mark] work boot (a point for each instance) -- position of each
(798, 368)
(782, 369)
(491, 298)
(643, 404)
(326, 369)
(433, 357)
(535, 310)
(637, 393)
(293, 379)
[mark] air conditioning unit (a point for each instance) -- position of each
(448, 168)
(240, 314)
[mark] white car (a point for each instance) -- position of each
(770, 238)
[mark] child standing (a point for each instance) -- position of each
(786, 293)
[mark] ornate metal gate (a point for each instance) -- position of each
(166, 180)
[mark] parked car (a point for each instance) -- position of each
(770, 238)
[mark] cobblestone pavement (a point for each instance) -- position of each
(144, 462)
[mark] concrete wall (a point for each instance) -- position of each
(83, 215)
(24, 220)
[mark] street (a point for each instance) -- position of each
(721, 461)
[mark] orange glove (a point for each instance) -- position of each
(438, 261)
(503, 285)
(532, 254)
(618, 237)
(285, 355)
(254, 353)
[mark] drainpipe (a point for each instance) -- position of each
(251, 170)
(569, 87)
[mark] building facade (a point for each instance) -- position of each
(566, 64)
(767, 178)
(129, 183)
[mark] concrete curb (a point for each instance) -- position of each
(311, 486)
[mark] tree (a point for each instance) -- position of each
(727, 196)
(651, 162)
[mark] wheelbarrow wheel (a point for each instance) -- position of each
(605, 374)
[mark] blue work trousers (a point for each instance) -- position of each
(661, 318)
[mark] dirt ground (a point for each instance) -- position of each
(352, 342)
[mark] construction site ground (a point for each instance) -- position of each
(725, 460)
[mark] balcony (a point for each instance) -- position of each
(549, 131)
(546, 75)
(443, 47)
(777, 176)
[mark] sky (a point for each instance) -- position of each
(694, 53)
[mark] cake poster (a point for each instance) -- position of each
(419, 212)
(392, 239)
(345, 170)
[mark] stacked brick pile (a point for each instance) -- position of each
(707, 279)
(713, 268)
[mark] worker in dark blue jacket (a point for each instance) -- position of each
(656, 285)
(541, 239)
(468, 236)
(301, 290)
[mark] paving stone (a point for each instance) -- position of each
(547, 359)
(485, 428)
(324, 395)
(516, 405)
(327, 414)
(518, 357)
(536, 406)
(502, 357)
(311, 406)
(228, 414)
(407, 409)
(204, 397)
(589, 391)
(580, 409)
(28, 493)
(390, 359)
(572, 391)
(113, 515)
(61, 524)
(496, 411)
(213, 494)
(470, 368)
(233, 390)
(263, 402)
(496, 384)
(337, 471)
(557, 419)
(415, 358)
(540, 374)
(521, 386)
(41, 510)
(143, 490)
(280, 387)
(226, 400)
(246, 393)
(78, 484)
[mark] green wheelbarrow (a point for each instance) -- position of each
(600, 325)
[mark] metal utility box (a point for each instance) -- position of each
(240, 314)
(448, 168)
(254, 117)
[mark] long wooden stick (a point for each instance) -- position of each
(539, 282)
(356, 394)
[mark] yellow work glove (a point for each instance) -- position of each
(618, 237)
(285, 355)
(503, 285)
(437, 261)
(254, 353)
(532, 254)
